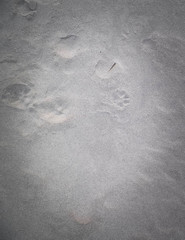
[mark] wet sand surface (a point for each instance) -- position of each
(92, 118)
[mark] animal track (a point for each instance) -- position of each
(107, 67)
(16, 95)
(67, 46)
(115, 103)
(15, 92)
(51, 110)
(120, 98)
(104, 69)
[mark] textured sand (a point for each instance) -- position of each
(92, 106)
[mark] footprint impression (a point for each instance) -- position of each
(105, 69)
(67, 47)
(116, 103)
(120, 99)
(17, 95)
(51, 110)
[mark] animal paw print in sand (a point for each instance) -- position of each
(67, 47)
(104, 69)
(16, 95)
(51, 110)
(120, 99)
(116, 104)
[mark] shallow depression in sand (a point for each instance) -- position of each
(92, 123)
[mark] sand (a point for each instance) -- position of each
(92, 106)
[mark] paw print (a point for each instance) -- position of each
(15, 92)
(17, 95)
(120, 98)
(51, 110)
(116, 103)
